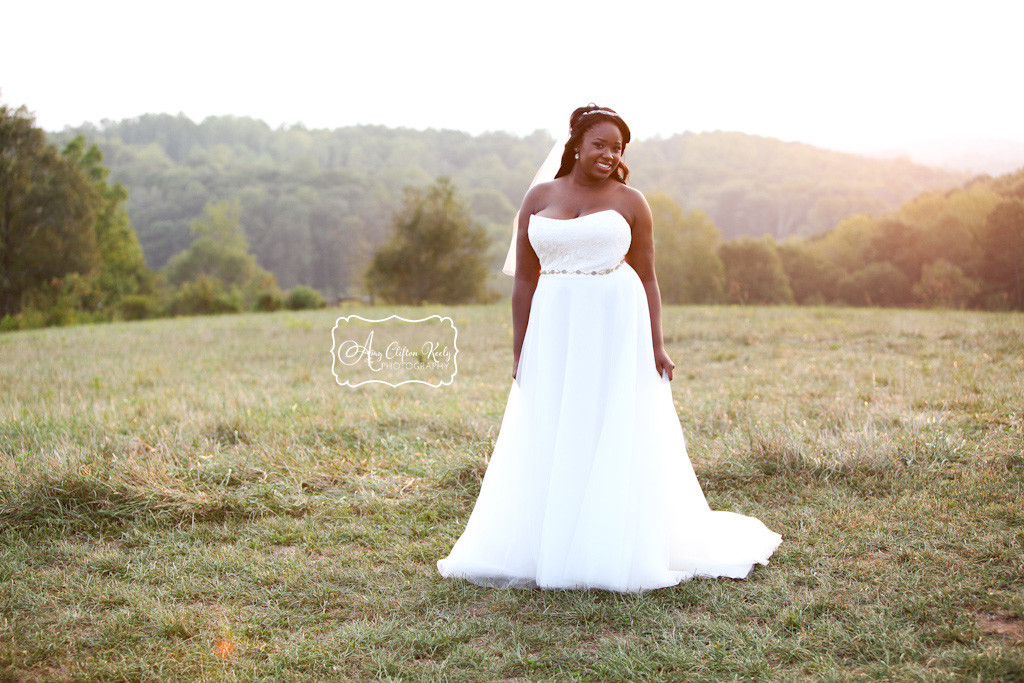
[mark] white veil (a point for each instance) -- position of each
(546, 172)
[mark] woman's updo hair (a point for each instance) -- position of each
(580, 122)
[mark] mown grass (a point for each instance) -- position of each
(196, 499)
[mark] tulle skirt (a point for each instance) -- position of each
(589, 484)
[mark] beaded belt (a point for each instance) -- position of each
(585, 272)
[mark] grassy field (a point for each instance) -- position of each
(196, 499)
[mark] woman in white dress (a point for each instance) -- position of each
(589, 484)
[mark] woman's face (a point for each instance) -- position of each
(601, 150)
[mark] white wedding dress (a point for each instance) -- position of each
(589, 484)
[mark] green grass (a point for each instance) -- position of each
(196, 499)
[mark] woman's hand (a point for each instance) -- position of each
(663, 362)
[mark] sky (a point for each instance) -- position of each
(867, 75)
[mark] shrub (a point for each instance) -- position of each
(269, 301)
(27, 319)
(205, 296)
(754, 272)
(877, 284)
(303, 297)
(139, 307)
(945, 285)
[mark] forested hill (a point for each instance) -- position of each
(315, 203)
(752, 185)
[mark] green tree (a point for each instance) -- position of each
(123, 269)
(220, 252)
(1003, 244)
(944, 285)
(436, 253)
(845, 244)
(48, 208)
(876, 284)
(812, 278)
(686, 255)
(901, 245)
(754, 272)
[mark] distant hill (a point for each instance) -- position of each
(316, 202)
(752, 185)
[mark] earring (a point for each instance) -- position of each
(577, 155)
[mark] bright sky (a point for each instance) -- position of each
(855, 75)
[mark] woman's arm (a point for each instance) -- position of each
(641, 258)
(527, 274)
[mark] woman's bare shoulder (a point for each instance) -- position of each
(631, 194)
(539, 196)
(633, 201)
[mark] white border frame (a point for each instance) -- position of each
(347, 318)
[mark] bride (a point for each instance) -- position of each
(589, 484)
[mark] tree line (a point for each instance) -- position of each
(316, 203)
(962, 248)
(65, 240)
(957, 249)
(69, 252)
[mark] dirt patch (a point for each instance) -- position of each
(73, 549)
(872, 560)
(592, 642)
(1001, 624)
(388, 485)
(45, 673)
(487, 643)
(478, 609)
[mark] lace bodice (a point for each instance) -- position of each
(593, 242)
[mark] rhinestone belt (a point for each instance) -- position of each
(585, 272)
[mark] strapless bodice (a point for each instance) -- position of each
(591, 243)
